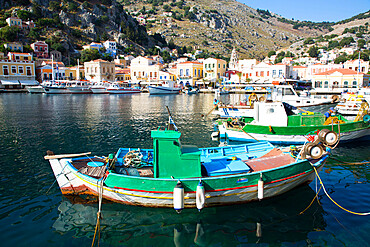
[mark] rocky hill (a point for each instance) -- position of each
(214, 26)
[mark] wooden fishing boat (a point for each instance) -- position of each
(176, 175)
(275, 122)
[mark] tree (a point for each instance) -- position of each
(309, 41)
(9, 33)
(333, 44)
(89, 54)
(361, 43)
(313, 51)
(340, 59)
(346, 41)
(271, 53)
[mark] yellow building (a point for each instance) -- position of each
(214, 69)
(340, 78)
(123, 74)
(16, 74)
(18, 56)
(188, 72)
(72, 72)
(99, 70)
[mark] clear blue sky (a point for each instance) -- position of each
(312, 10)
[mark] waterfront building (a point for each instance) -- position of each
(45, 71)
(99, 70)
(299, 72)
(72, 72)
(214, 69)
(40, 49)
(166, 76)
(123, 74)
(261, 73)
(188, 72)
(144, 69)
(17, 71)
(340, 79)
(320, 68)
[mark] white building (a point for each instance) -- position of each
(111, 47)
(144, 69)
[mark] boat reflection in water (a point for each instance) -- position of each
(275, 220)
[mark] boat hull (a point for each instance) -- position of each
(234, 112)
(346, 135)
(220, 190)
(79, 90)
(123, 91)
(56, 90)
(97, 90)
(35, 89)
(163, 90)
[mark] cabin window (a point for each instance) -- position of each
(5, 70)
(326, 84)
(288, 91)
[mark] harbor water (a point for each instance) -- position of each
(34, 213)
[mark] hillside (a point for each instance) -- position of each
(218, 26)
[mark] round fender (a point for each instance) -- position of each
(316, 152)
(366, 118)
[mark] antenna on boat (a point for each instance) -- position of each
(171, 123)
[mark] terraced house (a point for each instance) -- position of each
(17, 72)
(214, 69)
(188, 72)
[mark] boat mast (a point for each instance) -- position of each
(52, 68)
(78, 70)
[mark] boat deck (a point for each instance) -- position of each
(275, 158)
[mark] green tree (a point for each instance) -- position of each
(54, 5)
(340, 59)
(346, 41)
(333, 44)
(89, 54)
(313, 51)
(9, 33)
(309, 41)
(361, 43)
(271, 53)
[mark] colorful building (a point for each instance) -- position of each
(214, 69)
(14, 46)
(40, 49)
(340, 79)
(99, 70)
(144, 70)
(188, 72)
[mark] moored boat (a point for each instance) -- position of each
(184, 176)
(117, 89)
(165, 88)
(99, 88)
(277, 123)
(54, 88)
(35, 89)
(78, 87)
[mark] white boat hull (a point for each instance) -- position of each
(234, 112)
(56, 90)
(35, 89)
(79, 90)
(96, 90)
(163, 90)
(236, 135)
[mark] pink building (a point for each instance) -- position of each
(41, 49)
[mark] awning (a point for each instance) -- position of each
(9, 82)
(29, 83)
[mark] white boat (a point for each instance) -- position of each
(54, 88)
(286, 93)
(165, 88)
(190, 91)
(99, 88)
(35, 89)
(352, 105)
(78, 87)
(115, 88)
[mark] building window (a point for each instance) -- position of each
(187, 72)
(213, 65)
(5, 70)
(195, 72)
(103, 70)
(224, 66)
(28, 70)
(182, 71)
(274, 72)
(345, 85)
(326, 84)
(354, 83)
(20, 70)
(219, 66)
(14, 69)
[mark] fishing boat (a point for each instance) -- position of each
(352, 105)
(185, 176)
(190, 91)
(115, 88)
(287, 94)
(277, 123)
(167, 87)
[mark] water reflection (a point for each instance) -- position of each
(272, 221)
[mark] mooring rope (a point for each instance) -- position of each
(100, 190)
(326, 193)
(350, 163)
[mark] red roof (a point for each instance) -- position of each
(191, 62)
(299, 67)
(342, 71)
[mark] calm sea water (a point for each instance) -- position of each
(29, 216)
